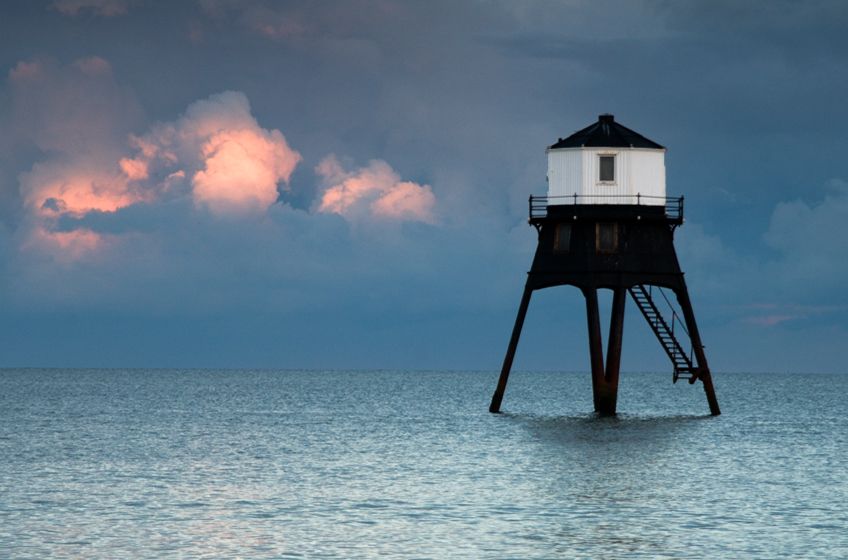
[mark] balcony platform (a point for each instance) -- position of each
(600, 207)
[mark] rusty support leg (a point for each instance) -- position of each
(610, 387)
(596, 351)
(510, 352)
(698, 347)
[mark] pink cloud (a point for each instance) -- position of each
(242, 169)
(407, 201)
(78, 117)
(784, 312)
(271, 24)
(376, 190)
(235, 165)
(769, 320)
(255, 17)
(65, 246)
(56, 189)
(216, 154)
(93, 66)
(134, 169)
(26, 71)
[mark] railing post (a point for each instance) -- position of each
(638, 199)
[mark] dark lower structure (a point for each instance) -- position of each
(624, 248)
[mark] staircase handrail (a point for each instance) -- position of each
(672, 346)
(674, 315)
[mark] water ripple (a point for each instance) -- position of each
(328, 464)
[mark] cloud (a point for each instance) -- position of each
(373, 191)
(76, 109)
(215, 155)
(93, 66)
(106, 8)
(59, 188)
(768, 320)
(242, 168)
(272, 24)
(802, 280)
(234, 165)
(96, 183)
(771, 314)
(26, 72)
(77, 117)
(811, 239)
(118, 220)
(255, 17)
(220, 8)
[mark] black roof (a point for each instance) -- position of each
(606, 133)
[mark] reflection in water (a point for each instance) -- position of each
(273, 464)
(611, 474)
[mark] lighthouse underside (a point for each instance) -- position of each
(624, 248)
(605, 246)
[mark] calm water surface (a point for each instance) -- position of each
(403, 464)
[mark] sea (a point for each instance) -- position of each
(134, 463)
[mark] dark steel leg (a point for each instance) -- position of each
(703, 369)
(596, 350)
(510, 352)
(609, 392)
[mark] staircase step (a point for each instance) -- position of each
(682, 364)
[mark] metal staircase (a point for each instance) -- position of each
(683, 367)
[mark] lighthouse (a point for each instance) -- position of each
(606, 223)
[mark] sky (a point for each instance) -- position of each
(344, 184)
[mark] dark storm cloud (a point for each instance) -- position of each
(750, 58)
(437, 115)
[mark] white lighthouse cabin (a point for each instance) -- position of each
(606, 163)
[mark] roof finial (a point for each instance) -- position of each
(606, 118)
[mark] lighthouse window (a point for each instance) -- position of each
(563, 238)
(606, 237)
(607, 168)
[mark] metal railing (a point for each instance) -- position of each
(676, 318)
(673, 206)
